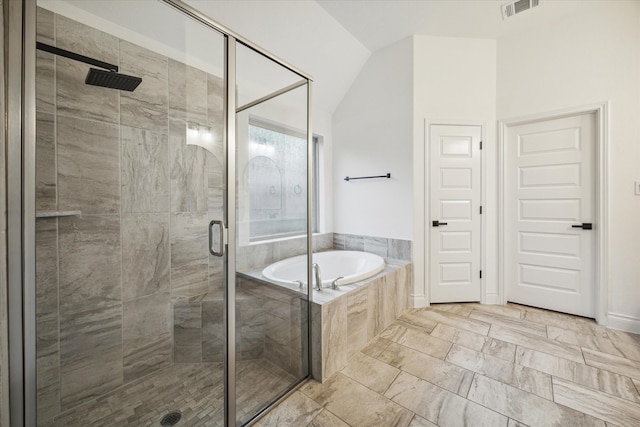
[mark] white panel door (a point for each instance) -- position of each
(455, 178)
(549, 206)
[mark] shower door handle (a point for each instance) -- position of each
(220, 251)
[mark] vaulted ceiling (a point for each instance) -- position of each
(332, 39)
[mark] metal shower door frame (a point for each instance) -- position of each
(20, 130)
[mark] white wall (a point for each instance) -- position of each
(590, 58)
(379, 127)
(372, 134)
(454, 83)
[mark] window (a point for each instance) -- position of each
(276, 179)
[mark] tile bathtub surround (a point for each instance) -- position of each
(110, 281)
(464, 376)
(345, 321)
(259, 255)
(386, 248)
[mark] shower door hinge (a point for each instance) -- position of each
(481, 274)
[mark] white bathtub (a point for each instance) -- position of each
(350, 265)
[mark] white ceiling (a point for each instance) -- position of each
(332, 39)
(379, 23)
(329, 39)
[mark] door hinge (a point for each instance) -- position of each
(481, 274)
(480, 210)
(481, 145)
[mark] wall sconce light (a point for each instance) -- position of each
(200, 135)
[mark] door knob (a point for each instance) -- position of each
(437, 223)
(584, 226)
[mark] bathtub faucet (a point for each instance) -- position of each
(334, 284)
(316, 270)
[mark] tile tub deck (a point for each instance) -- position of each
(344, 321)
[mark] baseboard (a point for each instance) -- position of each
(491, 299)
(419, 301)
(623, 322)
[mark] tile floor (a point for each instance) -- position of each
(479, 365)
(194, 389)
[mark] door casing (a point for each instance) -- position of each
(434, 216)
(601, 273)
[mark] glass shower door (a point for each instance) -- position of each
(271, 319)
(130, 300)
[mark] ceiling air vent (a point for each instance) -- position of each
(515, 7)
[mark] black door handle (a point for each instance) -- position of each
(584, 226)
(437, 223)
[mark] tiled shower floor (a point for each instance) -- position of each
(196, 390)
(473, 365)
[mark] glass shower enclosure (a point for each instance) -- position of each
(172, 164)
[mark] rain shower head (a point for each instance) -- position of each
(112, 80)
(109, 77)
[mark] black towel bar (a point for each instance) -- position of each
(346, 178)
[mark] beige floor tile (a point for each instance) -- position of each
(626, 342)
(418, 421)
(355, 404)
(417, 340)
(503, 310)
(524, 378)
(500, 349)
(454, 320)
(566, 321)
(436, 371)
(370, 372)
(440, 406)
(509, 322)
(593, 342)
(595, 403)
(537, 343)
(513, 367)
(588, 376)
(459, 336)
(375, 347)
(459, 309)
(514, 423)
(619, 365)
(526, 407)
(296, 410)
(625, 337)
(327, 419)
(411, 319)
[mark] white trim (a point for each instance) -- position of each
(601, 110)
(419, 301)
(492, 298)
(623, 322)
(422, 240)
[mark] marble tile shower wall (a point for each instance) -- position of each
(117, 285)
(387, 248)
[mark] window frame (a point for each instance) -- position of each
(272, 126)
